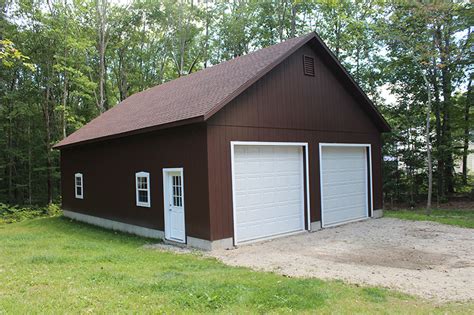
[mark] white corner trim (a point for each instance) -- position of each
(114, 225)
(369, 157)
(304, 145)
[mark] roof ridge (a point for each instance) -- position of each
(220, 64)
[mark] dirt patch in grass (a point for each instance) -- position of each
(392, 257)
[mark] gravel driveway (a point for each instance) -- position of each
(427, 259)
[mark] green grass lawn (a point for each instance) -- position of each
(53, 265)
(462, 218)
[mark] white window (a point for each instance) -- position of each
(177, 191)
(143, 189)
(79, 186)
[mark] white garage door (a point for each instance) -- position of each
(344, 184)
(268, 191)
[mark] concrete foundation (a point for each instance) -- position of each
(150, 233)
(226, 243)
(114, 225)
(377, 214)
(316, 226)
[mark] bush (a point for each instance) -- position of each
(15, 213)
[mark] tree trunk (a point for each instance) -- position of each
(439, 137)
(182, 41)
(63, 113)
(281, 20)
(47, 124)
(206, 45)
(29, 165)
(357, 72)
(446, 82)
(65, 83)
(410, 164)
(10, 143)
(293, 19)
(142, 53)
(10, 163)
(122, 77)
(101, 6)
(337, 35)
(465, 151)
(428, 144)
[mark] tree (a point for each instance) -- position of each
(62, 63)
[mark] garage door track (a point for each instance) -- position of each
(427, 259)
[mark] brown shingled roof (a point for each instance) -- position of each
(196, 95)
(191, 98)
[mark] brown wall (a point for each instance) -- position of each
(109, 169)
(286, 105)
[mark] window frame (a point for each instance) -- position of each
(81, 195)
(137, 189)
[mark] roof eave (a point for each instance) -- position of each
(189, 121)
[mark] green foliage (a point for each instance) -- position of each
(9, 55)
(386, 46)
(424, 41)
(53, 265)
(11, 214)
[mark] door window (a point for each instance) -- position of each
(177, 191)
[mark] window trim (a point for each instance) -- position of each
(137, 190)
(76, 176)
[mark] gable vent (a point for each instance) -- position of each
(308, 65)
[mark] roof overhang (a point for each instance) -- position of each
(194, 120)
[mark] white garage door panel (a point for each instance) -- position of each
(347, 201)
(344, 184)
(347, 213)
(344, 189)
(268, 191)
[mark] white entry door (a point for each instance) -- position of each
(268, 191)
(344, 183)
(174, 205)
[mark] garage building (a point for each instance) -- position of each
(278, 141)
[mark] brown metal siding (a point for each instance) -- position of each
(286, 105)
(109, 169)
